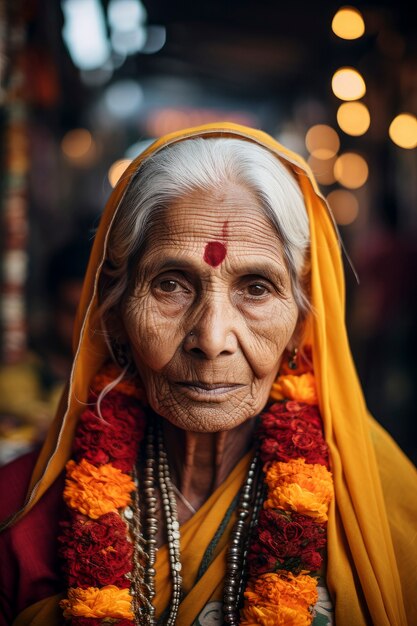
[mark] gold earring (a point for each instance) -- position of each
(121, 353)
(292, 359)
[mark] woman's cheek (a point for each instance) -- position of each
(152, 337)
(268, 340)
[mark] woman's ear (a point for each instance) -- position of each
(116, 327)
(294, 344)
(297, 336)
(117, 338)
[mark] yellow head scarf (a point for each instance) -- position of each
(371, 569)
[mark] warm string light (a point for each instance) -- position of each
(348, 23)
(344, 206)
(353, 118)
(351, 170)
(322, 141)
(323, 169)
(116, 170)
(348, 84)
(403, 131)
(79, 146)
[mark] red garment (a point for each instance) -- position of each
(29, 565)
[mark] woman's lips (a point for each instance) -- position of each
(207, 390)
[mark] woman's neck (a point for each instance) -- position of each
(200, 462)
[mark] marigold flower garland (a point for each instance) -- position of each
(95, 542)
(286, 550)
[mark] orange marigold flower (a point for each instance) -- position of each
(108, 601)
(95, 491)
(300, 388)
(299, 486)
(274, 600)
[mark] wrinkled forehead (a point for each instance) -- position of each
(225, 232)
(226, 206)
(230, 214)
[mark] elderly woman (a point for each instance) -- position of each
(220, 464)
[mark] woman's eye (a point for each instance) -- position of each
(168, 285)
(257, 289)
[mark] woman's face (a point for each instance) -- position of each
(212, 310)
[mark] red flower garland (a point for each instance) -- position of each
(96, 551)
(293, 430)
(286, 543)
(115, 436)
(286, 540)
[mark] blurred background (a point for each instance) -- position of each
(85, 85)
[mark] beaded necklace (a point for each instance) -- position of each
(275, 552)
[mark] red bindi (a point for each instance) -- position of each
(214, 253)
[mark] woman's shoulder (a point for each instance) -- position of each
(14, 482)
(29, 567)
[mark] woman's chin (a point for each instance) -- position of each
(208, 411)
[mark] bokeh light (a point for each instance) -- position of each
(292, 138)
(403, 130)
(351, 170)
(128, 43)
(322, 141)
(353, 118)
(99, 76)
(155, 39)
(127, 20)
(323, 169)
(348, 23)
(167, 120)
(348, 84)
(137, 148)
(116, 170)
(84, 33)
(122, 14)
(344, 206)
(78, 145)
(124, 98)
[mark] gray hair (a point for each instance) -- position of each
(206, 164)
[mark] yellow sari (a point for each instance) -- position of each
(372, 561)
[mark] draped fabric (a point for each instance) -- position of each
(372, 564)
(45, 612)
(29, 565)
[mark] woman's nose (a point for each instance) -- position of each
(213, 333)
